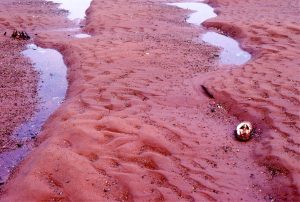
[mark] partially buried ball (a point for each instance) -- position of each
(244, 131)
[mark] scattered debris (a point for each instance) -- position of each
(207, 93)
(4, 34)
(20, 35)
(244, 131)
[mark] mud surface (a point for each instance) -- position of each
(137, 125)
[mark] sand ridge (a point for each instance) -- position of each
(136, 125)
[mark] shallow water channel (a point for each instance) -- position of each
(231, 53)
(76, 12)
(52, 90)
(76, 8)
(202, 12)
(52, 87)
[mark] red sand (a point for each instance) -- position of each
(136, 124)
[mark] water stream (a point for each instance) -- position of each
(76, 8)
(76, 12)
(202, 12)
(231, 53)
(52, 89)
(53, 85)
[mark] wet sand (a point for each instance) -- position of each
(136, 124)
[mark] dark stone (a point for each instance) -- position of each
(20, 35)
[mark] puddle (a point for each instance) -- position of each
(53, 86)
(82, 36)
(231, 52)
(76, 8)
(52, 89)
(203, 12)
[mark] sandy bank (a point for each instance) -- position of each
(266, 90)
(136, 124)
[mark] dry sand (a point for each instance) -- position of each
(136, 124)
